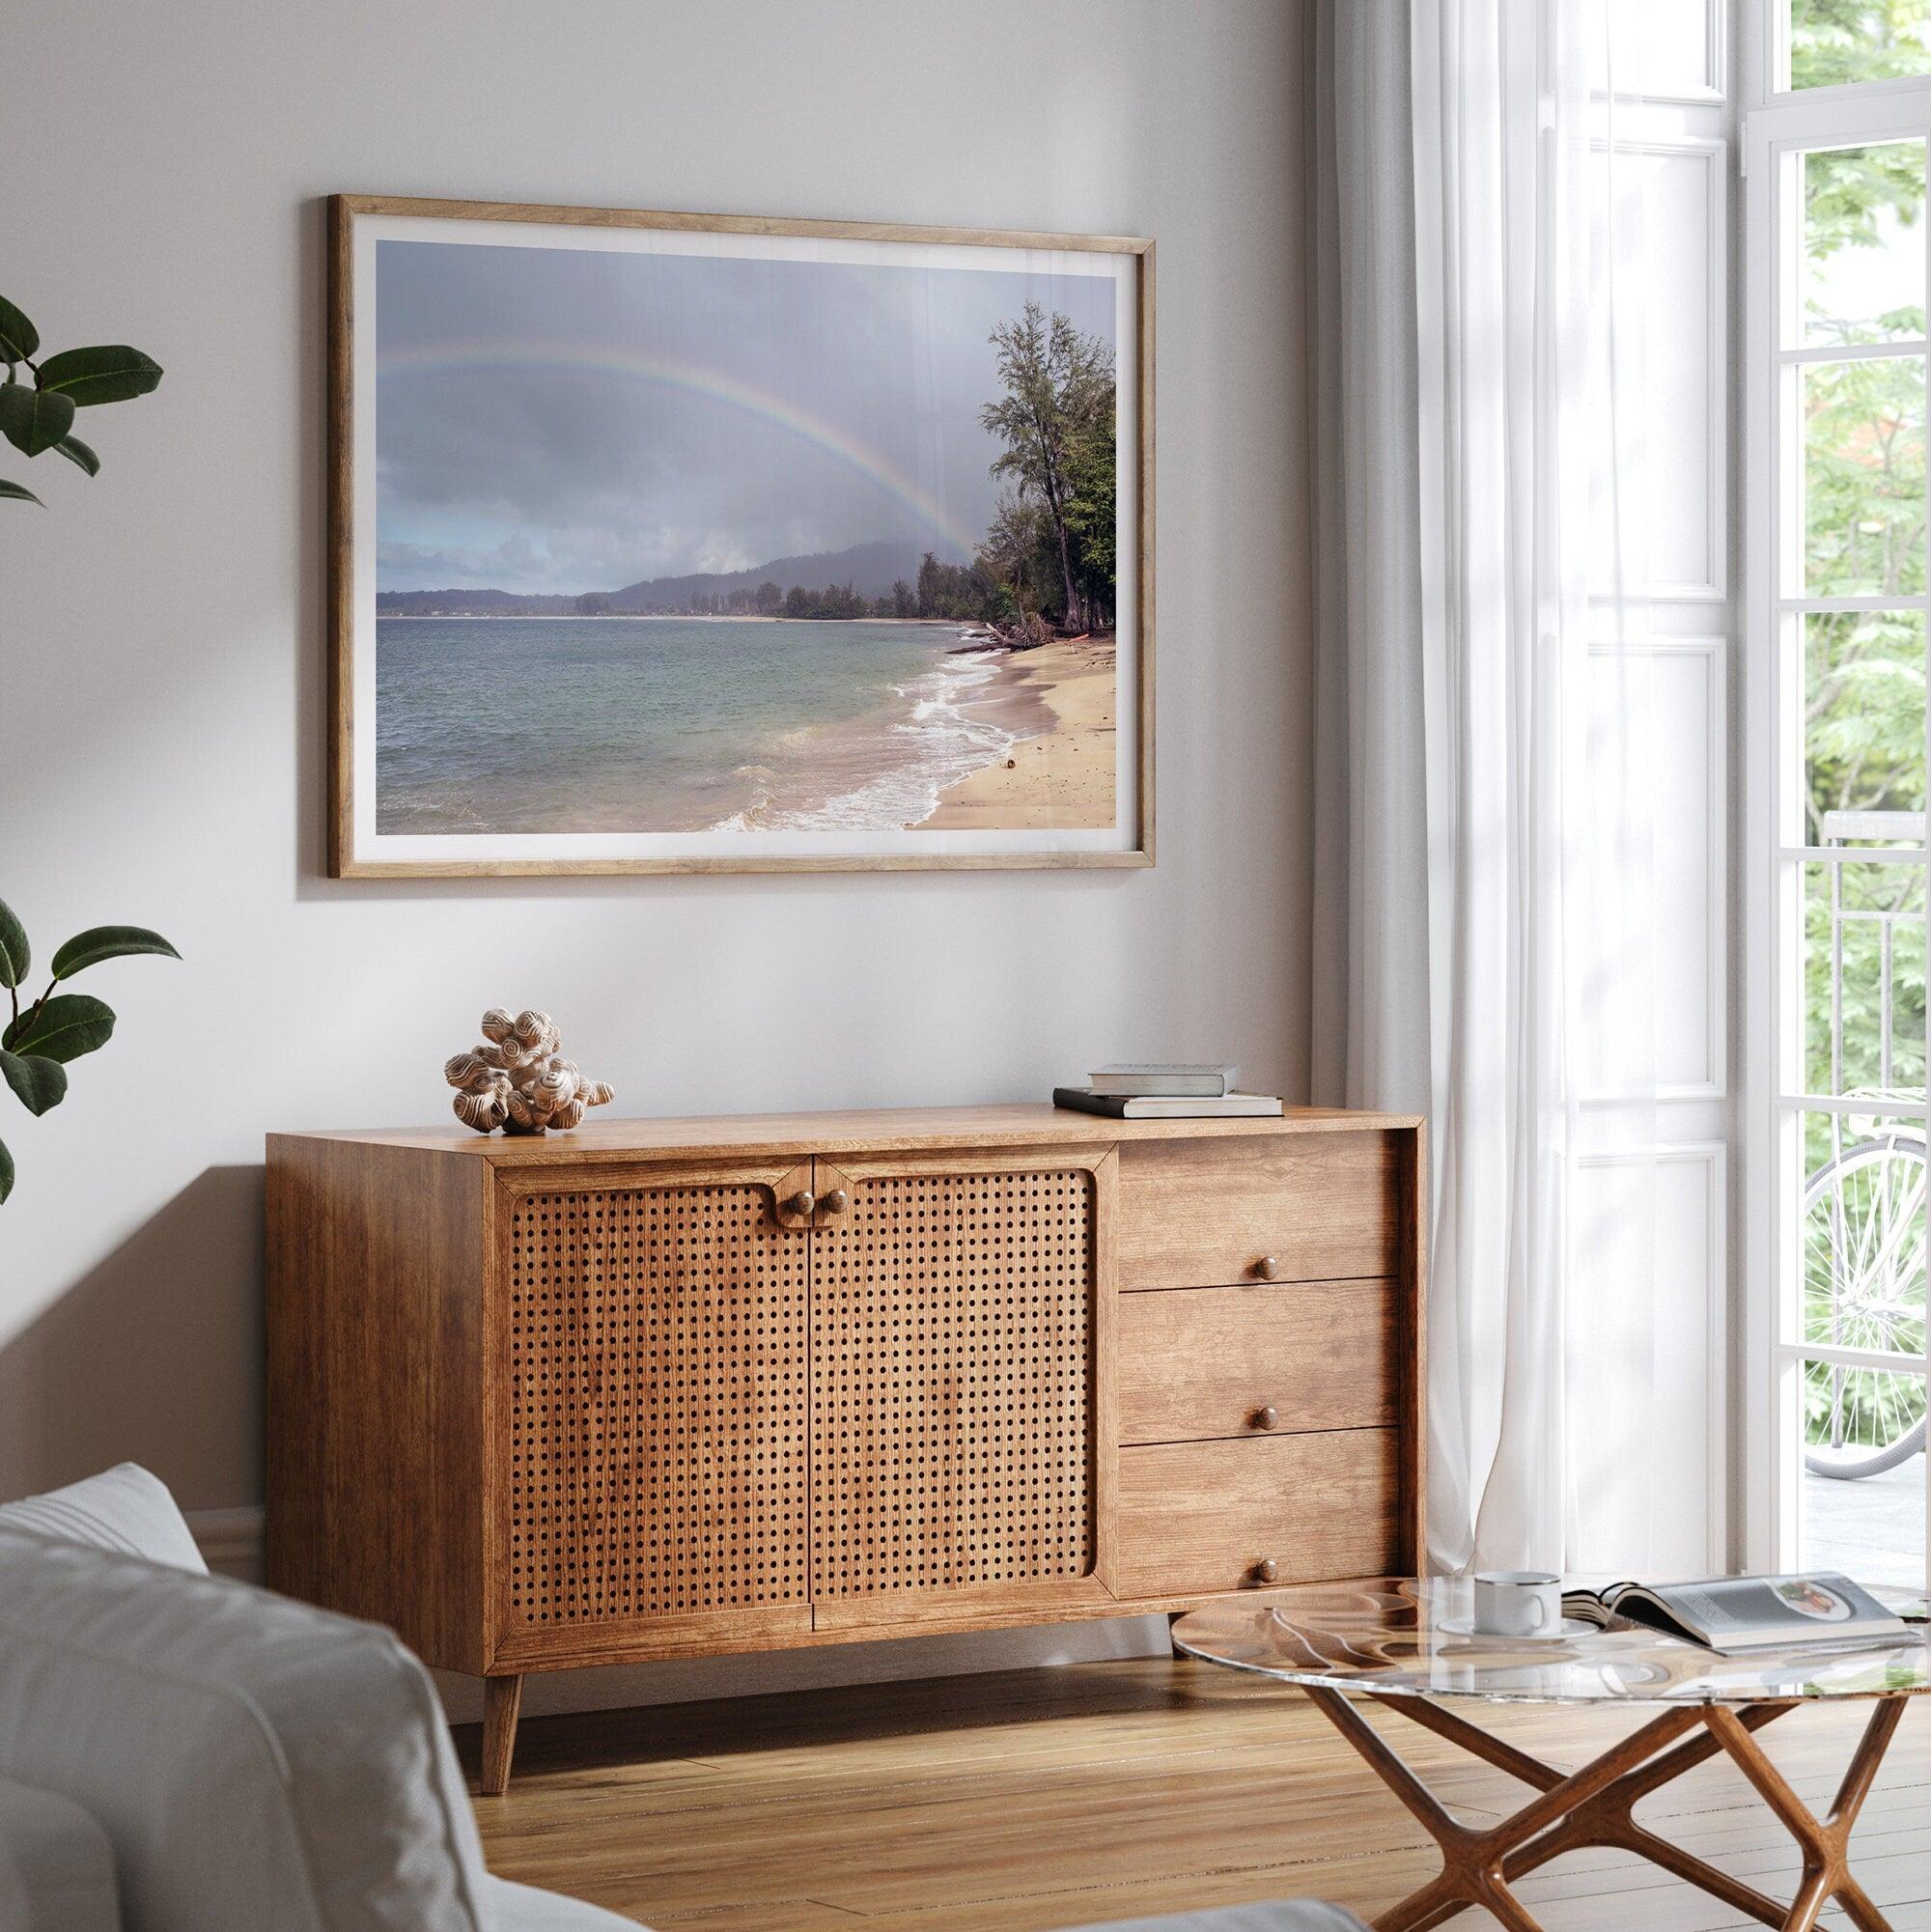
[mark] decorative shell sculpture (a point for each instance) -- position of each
(517, 1079)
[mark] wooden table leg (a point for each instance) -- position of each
(502, 1701)
(1607, 1820)
(1473, 1862)
(1826, 1843)
(1593, 1806)
(1475, 1741)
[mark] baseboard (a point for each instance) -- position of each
(231, 1541)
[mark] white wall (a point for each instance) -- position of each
(161, 631)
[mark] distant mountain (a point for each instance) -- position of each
(869, 569)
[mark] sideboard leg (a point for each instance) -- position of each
(502, 1699)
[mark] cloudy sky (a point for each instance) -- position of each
(555, 419)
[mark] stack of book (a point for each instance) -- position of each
(1143, 1091)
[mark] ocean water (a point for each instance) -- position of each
(608, 724)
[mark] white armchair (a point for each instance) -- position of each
(56, 1865)
(180, 1753)
(255, 1765)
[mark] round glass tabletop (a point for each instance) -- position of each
(1402, 1636)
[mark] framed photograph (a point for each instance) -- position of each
(674, 542)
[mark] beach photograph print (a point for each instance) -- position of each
(665, 543)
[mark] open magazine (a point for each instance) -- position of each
(1738, 1614)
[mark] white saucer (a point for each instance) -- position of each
(1465, 1626)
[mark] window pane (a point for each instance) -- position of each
(1835, 41)
(1654, 47)
(1864, 978)
(1864, 477)
(1864, 727)
(1863, 243)
(1864, 1500)
(1863, 1256)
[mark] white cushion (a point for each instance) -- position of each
(122, 1508)
(522, 1908)
(259, 1766)
(56, 1865)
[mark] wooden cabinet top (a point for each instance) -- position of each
(1024, 1124)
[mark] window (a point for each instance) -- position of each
(1835, 381)
(1852, 42)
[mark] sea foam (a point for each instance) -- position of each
(938, 743)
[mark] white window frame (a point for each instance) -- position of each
(1778, 122)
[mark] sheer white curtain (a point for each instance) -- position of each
(1483, 881)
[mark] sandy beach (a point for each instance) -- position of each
(1062, 699)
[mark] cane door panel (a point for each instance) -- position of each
(962, 1433)
(653, 1377)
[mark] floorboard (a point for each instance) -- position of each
(1023, 1800)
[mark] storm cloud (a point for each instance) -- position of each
(556, 419)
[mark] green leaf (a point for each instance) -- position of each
(14, 492)
(15, 955)
(40, 1083)
(107, 942)
(76, 451)
(34, 420)
(62, 1029)
(6, 1172)
(18, 339)
(112, 373)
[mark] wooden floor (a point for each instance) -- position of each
(1055, 1798)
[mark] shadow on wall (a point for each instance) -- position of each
(154, 1356)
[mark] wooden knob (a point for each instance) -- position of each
(1266, 1417)
(835, 1202)
(801, 1203)
(1266, 1570)
(1268, 1267)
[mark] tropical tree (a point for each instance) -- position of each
(1092, 511)
(1059, 391)
(963, 591)
(1021, 551)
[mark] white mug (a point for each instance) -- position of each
(1518, 1603)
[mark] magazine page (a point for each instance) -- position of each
(1731, 1611)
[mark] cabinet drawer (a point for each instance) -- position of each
(1196, 1363)
(1199, 1517)
(1304, 1207)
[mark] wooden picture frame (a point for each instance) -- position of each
(1052, 797)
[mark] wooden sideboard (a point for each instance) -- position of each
(664, 1389)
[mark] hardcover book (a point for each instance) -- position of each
(1149, 1077)
(1169, 1106)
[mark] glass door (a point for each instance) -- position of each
(1836, 160)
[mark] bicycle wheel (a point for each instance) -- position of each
(1864, 1288)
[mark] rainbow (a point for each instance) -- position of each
(691, 379)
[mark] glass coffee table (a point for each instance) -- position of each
(1407, 1644)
